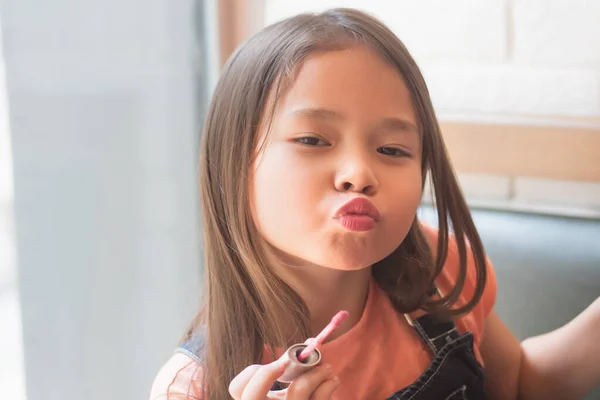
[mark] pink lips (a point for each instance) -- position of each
(359, 215)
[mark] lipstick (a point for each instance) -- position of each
(305, 356)
(295, 367)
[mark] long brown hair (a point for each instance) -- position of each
(246, 305)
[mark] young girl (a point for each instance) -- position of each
(316, 147)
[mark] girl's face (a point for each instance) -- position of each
(345, 130)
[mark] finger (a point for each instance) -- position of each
(326, 389)
(237, 385)
(277, 394)
(304, 386)
(263, 379)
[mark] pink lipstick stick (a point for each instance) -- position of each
(303, 357)
(336, 321)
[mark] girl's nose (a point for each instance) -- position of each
(356, 175)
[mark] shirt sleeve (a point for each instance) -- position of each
(179, 379)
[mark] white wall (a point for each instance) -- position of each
(12, 368)
(529, 61)
(103, 115)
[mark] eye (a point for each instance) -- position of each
(393, 151)
(310, 141)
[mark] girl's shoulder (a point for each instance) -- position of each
(180, 378)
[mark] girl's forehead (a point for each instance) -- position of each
(354, 80)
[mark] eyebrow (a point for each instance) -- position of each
(317, 113)
(323, 114)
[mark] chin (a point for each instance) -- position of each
(353, 252)
(350, 261)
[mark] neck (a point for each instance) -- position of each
(326, 291)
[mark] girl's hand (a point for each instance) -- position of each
(255, 382)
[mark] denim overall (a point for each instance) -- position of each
(454, 373)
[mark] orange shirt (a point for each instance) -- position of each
(382, 353)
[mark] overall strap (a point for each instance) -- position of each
(434, 331)
(193, 346)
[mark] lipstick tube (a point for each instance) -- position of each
(295, 367)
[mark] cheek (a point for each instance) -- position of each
(413, 191)
(283, 193)
(405, 199)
